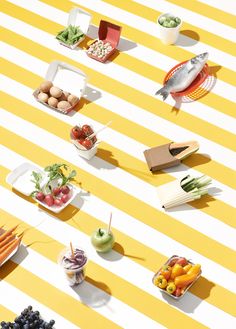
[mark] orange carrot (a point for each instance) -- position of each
(6, 233)
(9, 250)
(8, 245)
(8, 239)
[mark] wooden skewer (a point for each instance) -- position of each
(109, 226)
(72, 250)
(98, 131)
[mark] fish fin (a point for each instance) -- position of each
(163, 92)
(192, 68)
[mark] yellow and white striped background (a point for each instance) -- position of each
(118, 292)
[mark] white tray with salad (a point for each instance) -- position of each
(50, 186)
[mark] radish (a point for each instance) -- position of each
(56, 190)
(58, 202)
(65, 198)
(40, 196)
(49, 200)
(65, 189)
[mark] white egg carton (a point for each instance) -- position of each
(66, 77)
(81, 18)
(13, 180)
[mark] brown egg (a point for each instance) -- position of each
(55, 92)
(43, 97)
(52, 101)
(72, 99)
(63, 105)
(45, 86)
(63, 96)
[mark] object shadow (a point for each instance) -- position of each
(103, 160)
(201, 290)
(66, 214)
(10, 265)
(117, 253)
(90, 95)
(124, 44)
(89, 296)
(187, 38)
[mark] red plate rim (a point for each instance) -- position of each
(201, 77)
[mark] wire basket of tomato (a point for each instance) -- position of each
(176, 276)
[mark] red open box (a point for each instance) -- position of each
(107, 32)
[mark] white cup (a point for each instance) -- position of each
(168, 35)
(88, 154)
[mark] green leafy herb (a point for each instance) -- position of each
(37, 180)
(55, 172)
(70, 35)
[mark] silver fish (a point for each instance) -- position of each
(181, 79)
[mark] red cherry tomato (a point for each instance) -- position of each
(87, 130)
(87, 143)
(76, 132)
(182, 261)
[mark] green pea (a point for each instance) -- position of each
(178, 20)
(172, 24)
(162, 20)
(166, 24)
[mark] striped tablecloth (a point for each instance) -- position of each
(118, 290)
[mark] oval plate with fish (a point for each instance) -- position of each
(185, 78)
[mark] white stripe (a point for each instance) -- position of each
(120, 179)
(123, 267)
(136, 230)
(136, 50)
(141, 84)
(128, 110)
(16, 300)
(201, 21)
(88, 294)
(226, 5)
(120, 141)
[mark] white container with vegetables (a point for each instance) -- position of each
(76, 30)
(50, 187)
(62, 88)
(182, 191)
(169, 26)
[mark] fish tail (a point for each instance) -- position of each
(163, 92)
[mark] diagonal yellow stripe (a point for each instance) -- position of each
(145, 39)
(74, 311)
(217, 102)
(6, 315)
(126, 127)
(97, 276)
(208, 11)
(131, 95)
(129, 204)
(217, 209)
(189, 30)
(125, 245)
